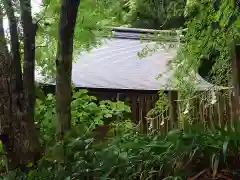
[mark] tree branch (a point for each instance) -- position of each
(44, 12)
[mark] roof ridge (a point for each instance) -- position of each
(144, 31)
(145, 34)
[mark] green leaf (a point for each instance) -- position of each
(225, 147)
(174, 134)
(215, 163)
(108, 115)
(1, 146)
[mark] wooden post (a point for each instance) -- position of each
(142, 119)
(236, 75)
(220, 110)
(232, 108)
(144, 114)
(227, 115)
(134, 105)
(197, 104)
(148, 108)
(117, 99)
(173, 109)
(201, 112)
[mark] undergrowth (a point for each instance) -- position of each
(131, 155)
(194, 152)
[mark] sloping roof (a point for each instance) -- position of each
(116, 65)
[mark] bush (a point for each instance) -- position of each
(87, 112)
(132, 155)
(193, 152)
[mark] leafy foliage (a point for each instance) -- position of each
(86, 113)
(212, 27)
(154, 14)
(91, 24)
(179, 154)
(161, 106)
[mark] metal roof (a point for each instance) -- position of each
(116, 65)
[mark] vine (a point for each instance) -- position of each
(212, 27)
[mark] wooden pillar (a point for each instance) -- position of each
(144, 113)
(148, 103)
(220, 103)
(227, 116)
(157, 118)
(232, 105)
(173, 109)
(197, 106)
(134, 108)
(141, 114)
(117, 99)
(236, 75)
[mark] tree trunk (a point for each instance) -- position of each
(68, 15)
(5, 112)
(18, 132)
(15, 45)
(29, 33)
